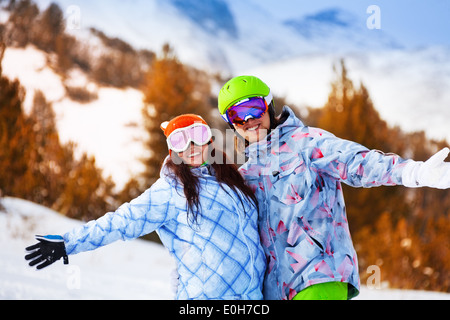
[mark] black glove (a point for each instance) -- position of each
(48, 250)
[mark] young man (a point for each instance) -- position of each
(296, 172)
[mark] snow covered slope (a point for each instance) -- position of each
(292, 49)
(227, 35)
(110, 127)
(409, 88)
(135, 269)
(123, 270)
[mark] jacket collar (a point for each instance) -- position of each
(280, 133)
(205, 170)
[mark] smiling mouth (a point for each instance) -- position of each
(253, 128)
(195, 154)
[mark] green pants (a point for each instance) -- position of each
(324, 291)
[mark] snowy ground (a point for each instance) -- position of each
(123, 270)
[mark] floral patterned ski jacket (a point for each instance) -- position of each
(297, 173)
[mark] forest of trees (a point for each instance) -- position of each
(119, 65)
(34, 165)
(171, 89)
(403, 231)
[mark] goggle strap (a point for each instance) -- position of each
(268, 98)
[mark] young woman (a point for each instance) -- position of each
(204, 213)
(296, 172)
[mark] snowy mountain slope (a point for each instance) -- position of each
(135, 269)
(110, 127)
(410, 88)
(213, 15)
(226, 35)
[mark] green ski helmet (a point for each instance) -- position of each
(240, 88)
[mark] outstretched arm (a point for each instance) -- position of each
(358, 166)
(353, 163)
(141, 216)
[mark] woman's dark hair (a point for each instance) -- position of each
(225, 173)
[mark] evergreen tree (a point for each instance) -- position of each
(37, 167)
(73, 187)
(350, 114)
(48, 28)
(48, 153)
(86, 195)
(14, 133)
(171, 90)
(21, 19)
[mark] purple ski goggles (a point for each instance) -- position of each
(252, 108)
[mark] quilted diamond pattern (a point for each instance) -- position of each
(220, 258)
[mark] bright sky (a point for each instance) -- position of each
(412, 22)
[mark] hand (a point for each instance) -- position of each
(434, 172)
(48, 250)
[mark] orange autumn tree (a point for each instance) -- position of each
(172, 88)
(34, 165)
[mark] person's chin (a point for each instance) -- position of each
(196, 161)
(255, 135)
